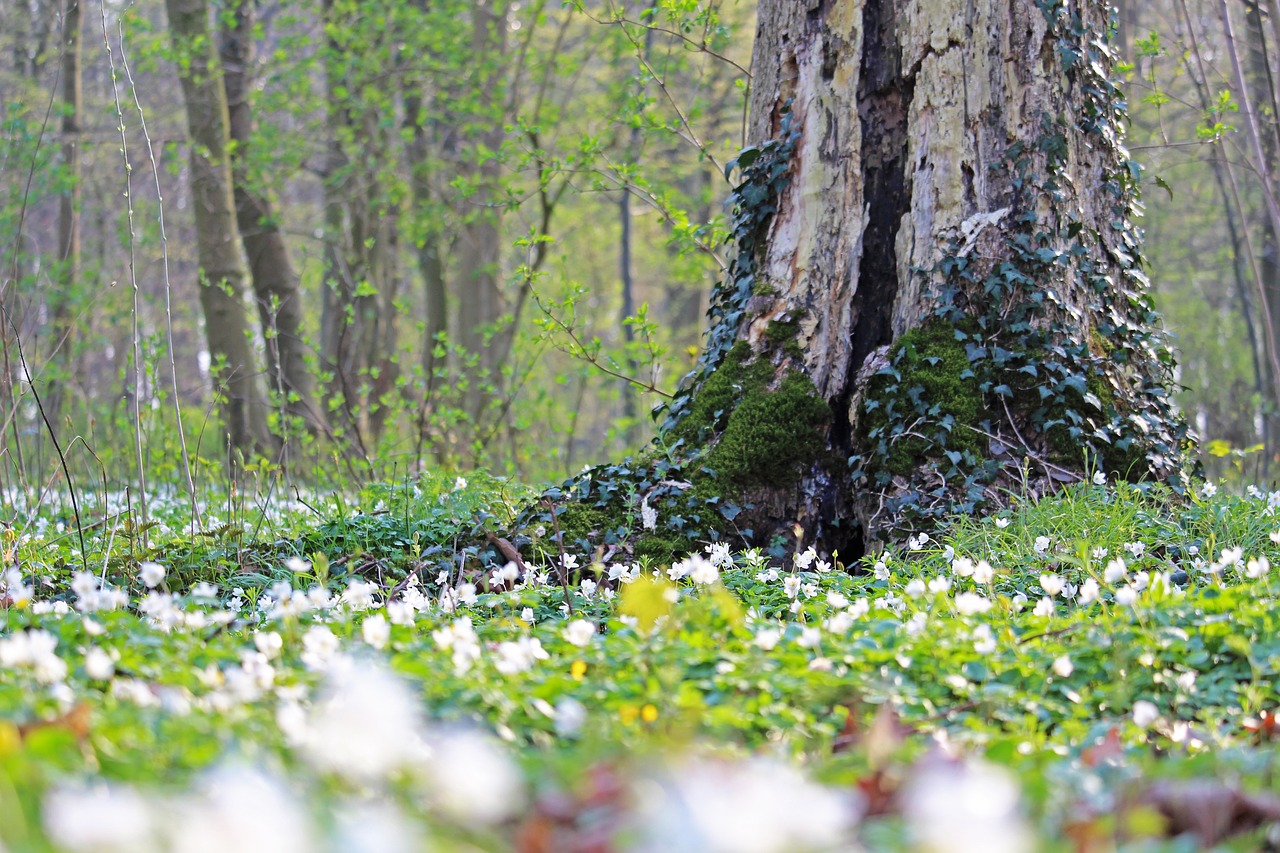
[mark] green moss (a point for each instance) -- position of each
(934, 389)
(715, 400)
(581, 523)
(771, 435)
(660, 550)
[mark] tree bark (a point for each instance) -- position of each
(275, 283)
(223, 274)
(955, 162)
(62, 301)
(480, 302)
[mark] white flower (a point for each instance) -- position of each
(375, 630)
(1257, 568)
(804, 560)
(752, 805)
(1044, 607)
(915, 543)
(939, 585)
(1187, 681)
(703, 571)
(983, 573)
(984, 642)
(1099, 553)
(1230, 557)
(648, 515)
(526, 615)
(570, 716)
(1002, 523)
(242, 810)
(970, 603)
(319, 647)
(1089, 591)
(587, 587)
(519, 655)
(1099, 478)
(1041, 544)
(962, 567)
(914, 588)
(1115, 571)
(791, 585)
(970, 806)
(1052, 584)
(459, 484)
(1208, 490)
(1145, 713)
(474, 779)
(297, 565)
(580, 632)
(881, 570)
(1274, 536)
(100, 818)
(1137, 549)
(366, 724)
(1126, 596)
(150, 573)
(860, 608)
(809, 638)
(359, 595)
(767, 638)
(837, 600)
(99, 665)
(1019, 601)
(1063, 667)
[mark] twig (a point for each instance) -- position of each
(563, 572)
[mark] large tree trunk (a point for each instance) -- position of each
(223, 275)
(275, 283)
(951, 269)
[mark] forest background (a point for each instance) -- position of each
(483, 234)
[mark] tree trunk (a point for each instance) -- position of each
(936, 244)
(63, 300)
(275, 283)
(480, 303)
(223, 275)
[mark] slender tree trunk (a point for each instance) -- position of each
(480, 302)
(275, 283)
(223, 274)
(64, 300)
(937, 244)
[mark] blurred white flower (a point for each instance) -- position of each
(767, 638)
(297, 565)
(319, 647)
(375, 826)
(1126, 596)
(1044, 607)
(970, 603)
(1063, 667)
(984, 642)
(1089, 591)
(1145, 713)
(98, 819)
(1257, 568)
(969, 807)
(151, 573)
(962, 567)
(1052, 584)
(472, 778)
(366, 724)
(983, 573)
(98, 664)
(580, 632)
(519, 655)
(809, 638)
(375, 630)
(242, 810)
(755, 805)
(269, 643)
(1115, 571)
(1041, 545)
(569, 716)
(914, 588)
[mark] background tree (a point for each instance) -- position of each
(223, 276)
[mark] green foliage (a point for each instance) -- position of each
(1021, 641)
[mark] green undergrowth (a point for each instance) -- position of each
(1102, 664)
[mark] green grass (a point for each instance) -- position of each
(776, 705)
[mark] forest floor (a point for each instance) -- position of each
(1089, 672)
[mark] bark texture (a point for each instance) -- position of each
(275, 282)
(63, 300)
(911, 117)
(223, 274)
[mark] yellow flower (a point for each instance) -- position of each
(578, 670)
(649, 713)
(628, 713)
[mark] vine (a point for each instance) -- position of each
(1004, 347)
